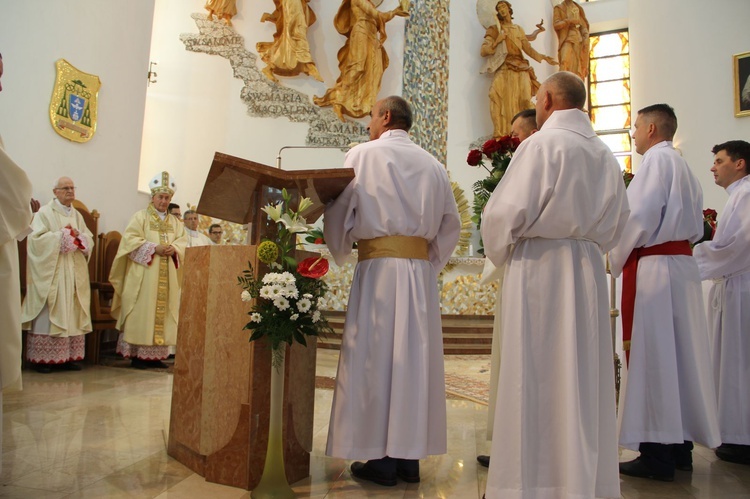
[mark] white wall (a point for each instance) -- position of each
(108, 39)
(682, 55)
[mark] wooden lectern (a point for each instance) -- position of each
(221, 391)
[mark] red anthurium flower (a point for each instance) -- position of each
(313, 267)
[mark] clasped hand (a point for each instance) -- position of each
(162, 250)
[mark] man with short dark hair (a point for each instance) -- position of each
(726, 260)
(559, 207)
(523, 124)
(214, 233)
(174, 209)
(57, 307)
(389, 401)
(669, 399)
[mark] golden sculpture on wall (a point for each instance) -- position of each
(223, 9)
(73, 106)
(362, 59)
(289, 53)
(514, 81)
(572, 29)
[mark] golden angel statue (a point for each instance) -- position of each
(572, 29)
(362, 59)
(289, 53)
(223, 9)
(514, 81)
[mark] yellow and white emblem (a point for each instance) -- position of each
(72, 109)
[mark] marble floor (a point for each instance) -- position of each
(102, 433)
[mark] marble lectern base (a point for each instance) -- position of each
(221, 392)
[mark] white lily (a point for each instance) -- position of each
(304, 204)
(274, 211)
(294, 225)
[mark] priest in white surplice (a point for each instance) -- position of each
(195, 237)
(726, 260)
(389, 401)
(562, 203)
(56, 310)
(669, 399)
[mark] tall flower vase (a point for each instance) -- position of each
(273, 483)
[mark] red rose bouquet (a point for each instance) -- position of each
(499, 152)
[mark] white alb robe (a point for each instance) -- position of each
(726, 260)
(669, 397)
(390, 387)
(562, 203)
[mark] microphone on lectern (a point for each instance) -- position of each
(340, 148)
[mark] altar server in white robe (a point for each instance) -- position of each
(669, 400)
(562, 203)
(726, 260)
(389, 401)
(522, 126)
(56, 310)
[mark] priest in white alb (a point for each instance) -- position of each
(57, 307)
(195, 237)
(726, 260)
(147, 277)
(389, 400)
(560, 206)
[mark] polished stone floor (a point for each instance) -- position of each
(102, 433)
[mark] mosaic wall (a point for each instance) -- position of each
(426, 74)
(267, 99)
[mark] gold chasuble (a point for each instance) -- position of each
(147, 296)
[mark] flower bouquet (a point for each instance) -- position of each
(499, 152)
(287, 298)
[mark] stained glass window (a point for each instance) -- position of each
(609, 92)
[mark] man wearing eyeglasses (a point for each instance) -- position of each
(56, 309)
(214, 233)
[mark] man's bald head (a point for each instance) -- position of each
(563, 90)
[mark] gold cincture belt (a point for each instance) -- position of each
(393, 247)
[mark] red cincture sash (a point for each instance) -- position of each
(629, 274)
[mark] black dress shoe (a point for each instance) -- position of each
(157, 364)
(734, 453)
(70, 366)
(408, 470)
(365, 471)
(484, 460)
(43, 368)
(638, 468)
(683, 456)
(138, 363)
